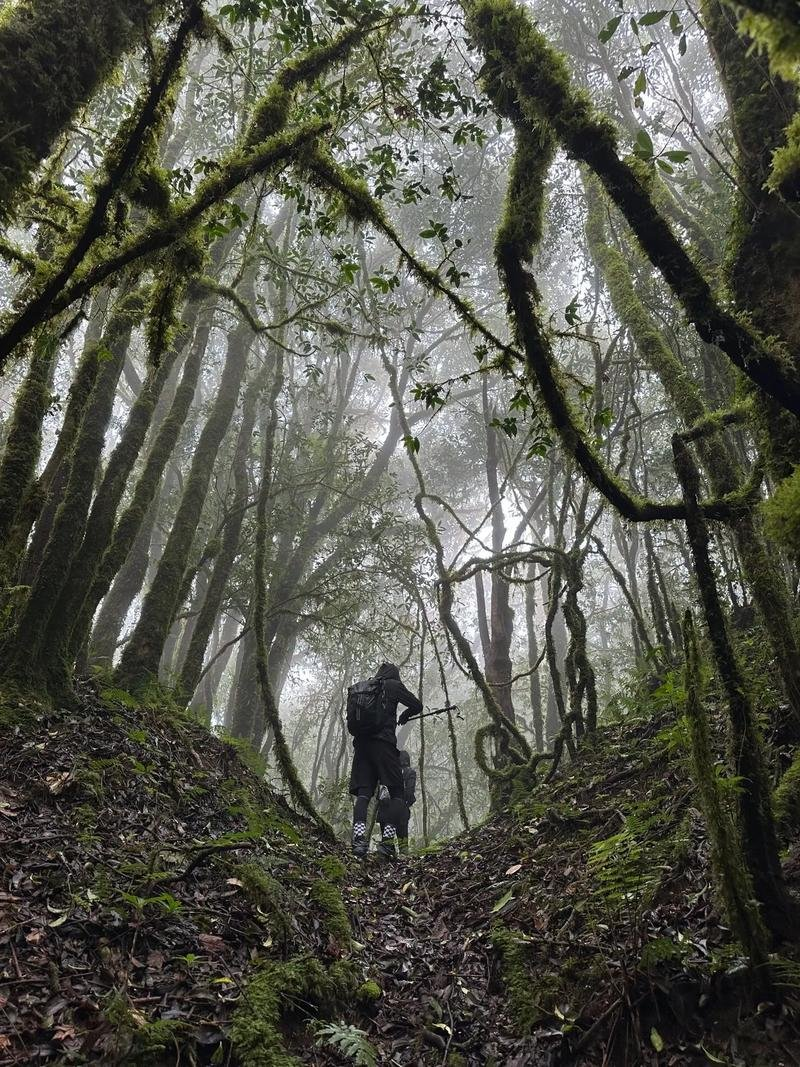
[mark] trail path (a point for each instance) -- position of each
(424, 926)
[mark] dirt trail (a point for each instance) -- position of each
(148, 880)
(424, 926)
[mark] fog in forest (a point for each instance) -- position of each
(462, 337)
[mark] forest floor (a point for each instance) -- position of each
(159, 905)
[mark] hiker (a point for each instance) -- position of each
(372, 720)
(409, 797)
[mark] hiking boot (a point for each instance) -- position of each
(358, 841)
(386, 851)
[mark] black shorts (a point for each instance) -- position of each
(376, 760)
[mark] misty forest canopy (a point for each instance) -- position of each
(460, 336)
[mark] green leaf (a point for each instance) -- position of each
(411, 443)
(625, 73)
(711, 1056)
(640, 85)
(652, 17)
(609, 29)
(656, 1040)
(682, 45)
(677, 155)
(675, 23)
(644, 145)
(505, 899)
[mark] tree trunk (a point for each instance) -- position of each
(759, 837)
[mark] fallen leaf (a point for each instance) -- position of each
(514, 869)
(211, 942)
(57, 783)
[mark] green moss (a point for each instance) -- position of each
(247, 754)
(368, 992)
(53, 57)
(328, 899)
(267, 894)
(151, 1042)
(333, 868)
(156, 1042)
(728, 856)
(529, 1001)
(786, 800)
(24, 440)
(779, 38)
(785, 175)
(782, 513)
(279, 990)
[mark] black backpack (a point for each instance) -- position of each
(409, 785)
(366, 708)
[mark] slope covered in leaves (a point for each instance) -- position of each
(160, 905)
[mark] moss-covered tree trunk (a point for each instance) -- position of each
(754, 802)
(758, 562)
(726, 850)
(140, 659)
(101, 519)
(47, 493)
(28, 650)
(100, 648)
(53, 56)
(534, 682)
(223, 564)
(764, 255)
(24, 440)
(497, 653)
(147, 485)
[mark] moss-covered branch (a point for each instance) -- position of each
(53, 56)
(135, 137)
(265, 145)
(504, 31)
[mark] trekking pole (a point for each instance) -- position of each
(434, 711)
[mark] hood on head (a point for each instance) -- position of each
(405, 759)
(387, 670)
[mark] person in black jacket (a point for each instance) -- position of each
(376, 759)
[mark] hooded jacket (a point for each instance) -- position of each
(396, 693)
